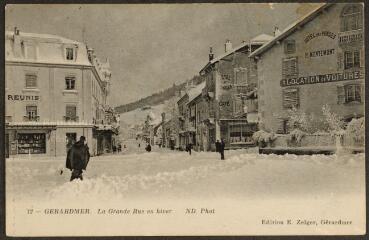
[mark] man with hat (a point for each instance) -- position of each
(77, 158)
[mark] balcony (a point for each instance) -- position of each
(71, 118)
(31, 118)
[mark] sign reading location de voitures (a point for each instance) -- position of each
(324, 78)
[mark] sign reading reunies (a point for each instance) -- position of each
(323, 78)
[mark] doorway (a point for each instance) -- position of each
(70, 140)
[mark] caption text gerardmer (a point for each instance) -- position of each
(113, 211)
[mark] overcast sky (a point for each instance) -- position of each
(152, 46)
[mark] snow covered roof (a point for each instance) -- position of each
(290, 29)
(23, 47)
(258, 40)
(195, 92)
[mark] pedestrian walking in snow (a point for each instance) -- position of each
(221, 149)
(148, 147)
(189, 148)
(78, 157)
(217, 146)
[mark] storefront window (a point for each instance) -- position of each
(240, 133)
(33, 143)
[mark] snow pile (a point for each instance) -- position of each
(174, 174)
(104, 187)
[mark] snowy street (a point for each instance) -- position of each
(245, 189)
(244, 174)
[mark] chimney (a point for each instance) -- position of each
(211, 54)
(90, 52)
(276, 31)
(228, 46)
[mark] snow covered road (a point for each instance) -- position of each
(170, 173)
(240, 193)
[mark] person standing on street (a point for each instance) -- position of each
(221, 149)
(78, 157)
(189, 148)
(217, 146)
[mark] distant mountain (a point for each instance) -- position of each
(159, 97)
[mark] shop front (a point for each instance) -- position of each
(26, 139)
(237, 133)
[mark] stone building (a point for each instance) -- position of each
(318, 60)
(56, 91)
(230, 94)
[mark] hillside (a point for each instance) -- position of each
(157, 98)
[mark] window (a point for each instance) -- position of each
(352, 59)
(31, 143)
(353, 93)
(70, 83)
(240, 76)
(31, 80)
(289, 68)
(289, 46)
(69, 53)
(241, 133)
(290, 97)
(71, 113)
(31, 113)
(351, 18)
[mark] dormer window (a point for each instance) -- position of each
(69, 53)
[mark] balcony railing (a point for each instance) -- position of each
(71, 118)
(31, 118)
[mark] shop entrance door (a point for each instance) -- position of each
(71, 139)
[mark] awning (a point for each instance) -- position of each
(30, 125)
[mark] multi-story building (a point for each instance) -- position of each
(187, 109)
(231, 95)
(318, 60)
(56, 91)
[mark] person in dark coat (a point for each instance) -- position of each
(189, 148)
(78, 157)
(221, 149)
(217, 146)
(148, 147)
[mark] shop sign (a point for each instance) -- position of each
(324, 78)
(320, 34)
(23, 97)
(350, 37)
(320, 53)
(223, 104)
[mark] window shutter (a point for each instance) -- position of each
(291, 98)
(284, 69)
(339, 61)
(362, 56)
(341, 98)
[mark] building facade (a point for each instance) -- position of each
(317, 61)
(230, 95)
(56, 91)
